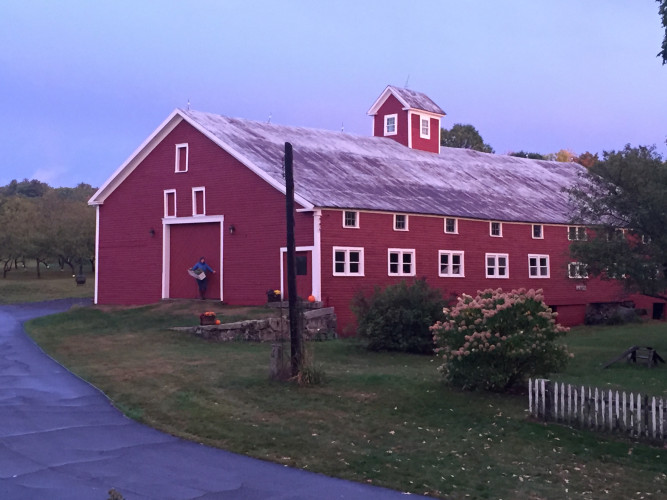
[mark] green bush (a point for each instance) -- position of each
(496, 339)
(398, 318)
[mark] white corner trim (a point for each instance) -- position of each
(316, 267)
(97, 252)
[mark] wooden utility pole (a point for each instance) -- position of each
(295, 333)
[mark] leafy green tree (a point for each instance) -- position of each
(465, 137)
(623, 198)
(663, 15)
(532, 156)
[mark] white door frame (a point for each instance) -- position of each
(167, 222)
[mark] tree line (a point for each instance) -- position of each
(49, 226)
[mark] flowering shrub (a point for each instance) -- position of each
(497, 339)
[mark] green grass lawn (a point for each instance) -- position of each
(383, 419)
(22, 285)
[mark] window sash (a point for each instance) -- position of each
(451, 263)
(538, 266)
(451, 225)
(401, 262)
(495, 229)
(350, 219)
(497, 265)
(348, 261)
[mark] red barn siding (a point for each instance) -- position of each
(432, 143)
(392, 106)
(426, 236)
(130, 259)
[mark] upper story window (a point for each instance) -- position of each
(538, 266)
(576, 233)
(451, 263)
(348, 261)
(390, 124)
(577, 270)
(181, 158)
(497, 265)
(425, 127)
(451, 225)
(538, 232)
(400, 222)
(401, 262)
(350, 219)
(198, 201)
(170, 203)
(496, 229)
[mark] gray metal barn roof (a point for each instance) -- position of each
(339, 170)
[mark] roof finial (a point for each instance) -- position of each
(188, 104)
(342, 127)
(407, 80)
(269, 120)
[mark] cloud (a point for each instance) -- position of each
(52, 176)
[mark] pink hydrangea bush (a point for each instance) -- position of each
(498, 339)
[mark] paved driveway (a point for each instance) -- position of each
(60, 438)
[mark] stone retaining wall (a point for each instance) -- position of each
(320, 324)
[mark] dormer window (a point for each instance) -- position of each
(390, 124)
(496, 229)
(425, 127)
(400, 222)
(350, 219)
(181, 158)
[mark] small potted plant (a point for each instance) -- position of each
(273, 295)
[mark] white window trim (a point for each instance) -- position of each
(576, 274)
(577, 238)
(347, 251)
(406, 222)
(538, 257)
(500, 225)
(456, 225)
(195, 190)
(386, 119)
(401, 252)
(356, 226)
(178, 158)
(450, 254)
(532, 232)
(423, 135)
(166, 203)
(495, 266)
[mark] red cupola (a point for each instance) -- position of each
(408, 117)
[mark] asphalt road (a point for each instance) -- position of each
(60, 438)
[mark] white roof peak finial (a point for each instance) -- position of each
(407, 80)
(188, 104)
(269, 120)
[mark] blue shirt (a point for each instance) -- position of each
(204, 267)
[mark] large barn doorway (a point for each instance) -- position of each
(186, 243)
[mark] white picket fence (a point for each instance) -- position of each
(636, 415)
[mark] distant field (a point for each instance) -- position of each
(22, 285)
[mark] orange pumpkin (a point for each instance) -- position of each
(217, 321)
(311, 298)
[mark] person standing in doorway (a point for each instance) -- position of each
(202, 267)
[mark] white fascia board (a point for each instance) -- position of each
(424, 113)
(243, 159)
(383, 97)
(136, 158)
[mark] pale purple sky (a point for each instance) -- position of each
(85, 82)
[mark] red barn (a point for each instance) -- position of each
(370, 211)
